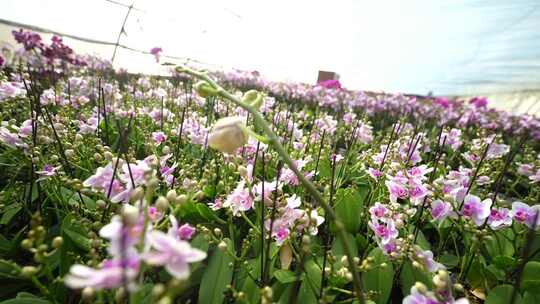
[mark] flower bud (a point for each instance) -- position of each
(253, 98)
(137, 194)
(101, 204)
(29, 271)
(130, 214)
(97, 157)
(162, 204)
(70, 153)
(158, 290)
(171, 195)
(88, 294)
(108, 155)
(27, 244)
(57, 242)
(222, 245)
(420, 287)
(242, 171)
(204, 89)
(285, 256)
(228, 134)
(181, 199)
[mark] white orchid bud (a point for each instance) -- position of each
(162, 204)
(130, 214)
(171, 195)
(228, 134)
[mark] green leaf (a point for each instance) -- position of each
(349, 203)
(421, 239)
(311, 283)
(35, 193)
(337, 247)
(8, 270)
(410, 275)
(10, 212)
(379, 280)
(216, 276)
(530, 279)
(449, 260)
(504, 262)
(73, 198)
(501, 295)
(325, 168)
(500, 244)
(530, 298)
(25, 298)
(249, 286)
(476, 275)
(207, 213)
(76, 233)
(285, 276)
(496, 272)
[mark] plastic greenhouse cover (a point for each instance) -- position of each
(446, 47)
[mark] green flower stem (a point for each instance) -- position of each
(250, 223)
(273, 140)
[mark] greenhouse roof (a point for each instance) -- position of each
(445, 47)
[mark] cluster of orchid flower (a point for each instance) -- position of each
(131, 241)
(429, 165)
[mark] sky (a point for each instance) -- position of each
(447, 47)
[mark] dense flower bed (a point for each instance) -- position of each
(119, 187)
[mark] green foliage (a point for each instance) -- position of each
(217, 276)
(501, 295)
(379, 279)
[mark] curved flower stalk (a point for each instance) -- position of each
(211, 87)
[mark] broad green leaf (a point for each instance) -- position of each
(530, 279)
(495, 272)
(337, 247)
(504, 262)
(449, 260)
(25, 298)
(76, 233)
(348, 207)
(325, 168)
(217, 276)
(476, 275)
(379, 280)
(285, 276)
(249, 286)
(311, 283)
(9, 212)
(208, 214)
(361, 242)
(73, 198)
(410, 275)
(8, 270)
(501, 295)
(421, 239)
(500, 244)
(530, 297)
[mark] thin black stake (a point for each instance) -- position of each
(509, 159)
(327, 236)
(431, 176)
(263, 168)
(272, 218)
(105, 117)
